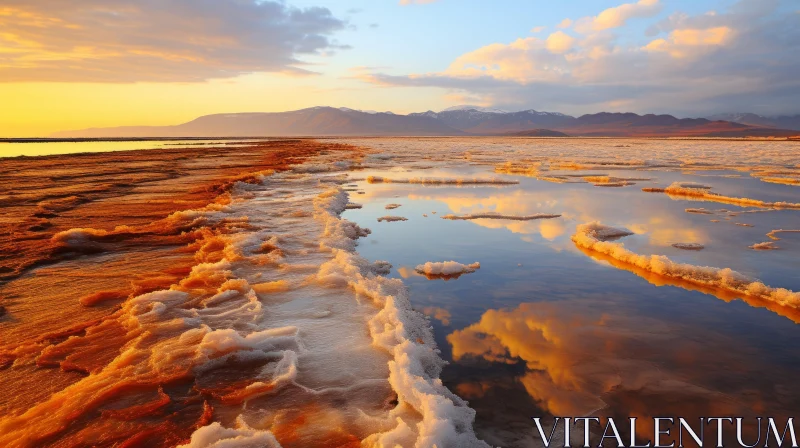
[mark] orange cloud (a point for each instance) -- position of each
(523, 60)
(578, 363)
(440, 314)
(691, 42)
(617, 16)
(566, 23)
(560, 42)
(129, 41)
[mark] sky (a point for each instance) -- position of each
(96, 63)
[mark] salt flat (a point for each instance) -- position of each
(235, 295)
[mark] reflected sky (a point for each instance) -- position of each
(545, 328)
(66, 147)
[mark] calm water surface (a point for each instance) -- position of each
(544, 328)
(53, 148)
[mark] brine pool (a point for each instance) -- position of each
(546, 328)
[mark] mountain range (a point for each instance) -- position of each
(781, 121)
(455, 121)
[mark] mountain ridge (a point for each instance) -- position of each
(459, 121)
(776, 121)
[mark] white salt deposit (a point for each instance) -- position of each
(391, 219)
(442, 181)
(493, 215)
(294, 310)
(689, 246)
(589, 236)
(767, 245)
(774, 234)
(447, 268)
(602, 232)
(678, 191)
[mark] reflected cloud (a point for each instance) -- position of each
(667, 229)
(408, 272)
(662, 227)
(440, 314)
(513, 203)
(592, 360)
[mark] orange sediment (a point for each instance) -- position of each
(109, 377)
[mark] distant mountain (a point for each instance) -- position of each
(461, 120)
(603, 124)
(315, 121)
(781, 121)
(478, 122)
(537, 133)
(606, 124)
(479, 109)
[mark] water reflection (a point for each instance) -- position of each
(34, 149)
(720, 293)
(547, 328)
(584, 358)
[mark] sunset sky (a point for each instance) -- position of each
(92, 63)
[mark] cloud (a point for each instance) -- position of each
(538, 29)
(522, 61)
(577, 363)
(176, 41)
(682, 43)
(566, 23)
(617, 16)
(560, 42)
(440, 314)
(741, 59)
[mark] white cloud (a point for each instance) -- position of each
(617, 16)
(683, 43)
(566, 23)
(560, 42)
(522, 61)
(742, 59)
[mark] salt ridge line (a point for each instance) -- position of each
(493, 215)
(774, 234)
(781, 180)
(389, 218)
(405, 334)
(591, 235)
(767, 245)
(658, 280)
(697, 194)
(427, 414)
(441, 181)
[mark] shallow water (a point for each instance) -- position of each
(545, 328)
(215, 297)
(34, 149)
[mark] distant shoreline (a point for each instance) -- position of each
(123, 139)
(333, 137)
